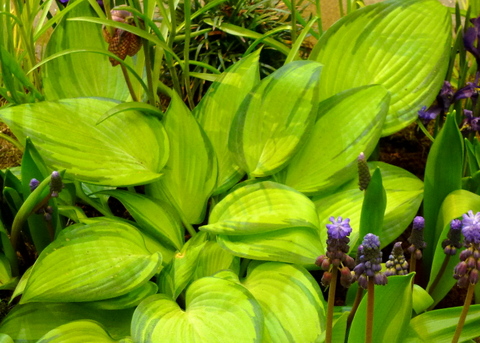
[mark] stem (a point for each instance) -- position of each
(463, 315)
(370, 304)
(294, 22)
(330, 305)
(439, 274)
(413, 263)
(186, 53)
(129, 83)
(356, 303)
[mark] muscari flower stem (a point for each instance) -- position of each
(463, 315)
(370, 305)
(356, 303)
(330, 305)
(439, 275)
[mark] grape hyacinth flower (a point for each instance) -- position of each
(363, 172)
(454, 237)
(396, 264)
(33, 184)
(369, 262)
(417, 243)
(56, 184)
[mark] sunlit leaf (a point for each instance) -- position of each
(402, 45)
(91, 262)
(128, 149)
(271, 122)
(213, 258)
(216, 311)
(128, 300)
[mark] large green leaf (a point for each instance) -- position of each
(80, 331)
(392, 312)
(404, 196)
(191, 171)
(291, 301)
(28, 323)
(329, 155)
(213, 258)
(217, 310)
(402, 45)
(156, 217)
(443, 175)
(274, 117)
(81, 75)
(91, 262)
(438, 326)
(217, 109)
(127, 149)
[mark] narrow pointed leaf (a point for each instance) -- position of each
(272, 120)
(156, 217)
(217, 109)
(77, 332)
(191, 171)
(291, 301)
(216, 310)
(128, 149)
(443, 175)
(402, 45)
(329, 155)
(91, 262)
(392, 312)
(85, 74)
(404, 196)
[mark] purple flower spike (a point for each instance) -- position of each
(56, 184)
(471, 227)
(418, 223)
(454, 237)
(33, 184)
(339, 228)
(369, 259)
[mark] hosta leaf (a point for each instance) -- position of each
(329, 155)
(392, 312)
(79, 332)
(85, 74)
(291, 300)
(156, 217)
(29, 322)
(5, 338)
(402, 45)
(261, 207)
(127, 149)
(217, 109)
(129, 300)
(213, 258)
(91, 262)
(216, 310)
(274, 117)
(404, 196)
(191, 171)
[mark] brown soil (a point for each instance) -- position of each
(10, 156)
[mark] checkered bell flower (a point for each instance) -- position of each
(369, 259)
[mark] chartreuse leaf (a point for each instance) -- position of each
(213, 258)
(404, 196)
(91, 262)
(7, 281)
(279, 286)
(421, 300)
(29, 322)
(267, 221)
(443, 175)
(438, 326)
(329, 155)
(128, 300)
(179, 272)
(402, 45)
(217, 109)
(85, 74)
(272, 120)
(128, 149)
(374, 205)
(5, 338)
(392, 312)
(191, 171)
(156, 217)
(261, 207)
(217, 310)
(454, 206)
(80, 331)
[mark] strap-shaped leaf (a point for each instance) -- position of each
(217, 109)
(29, 322)
(217, 310)
(85, 74)
(261, 207)
(80, 331)
(191, 171)
(128, 149)
(156, 217)
(91, 262)
(347, 124)
(272, 120)
(402, 45)
(291, 301)
(404, 196)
